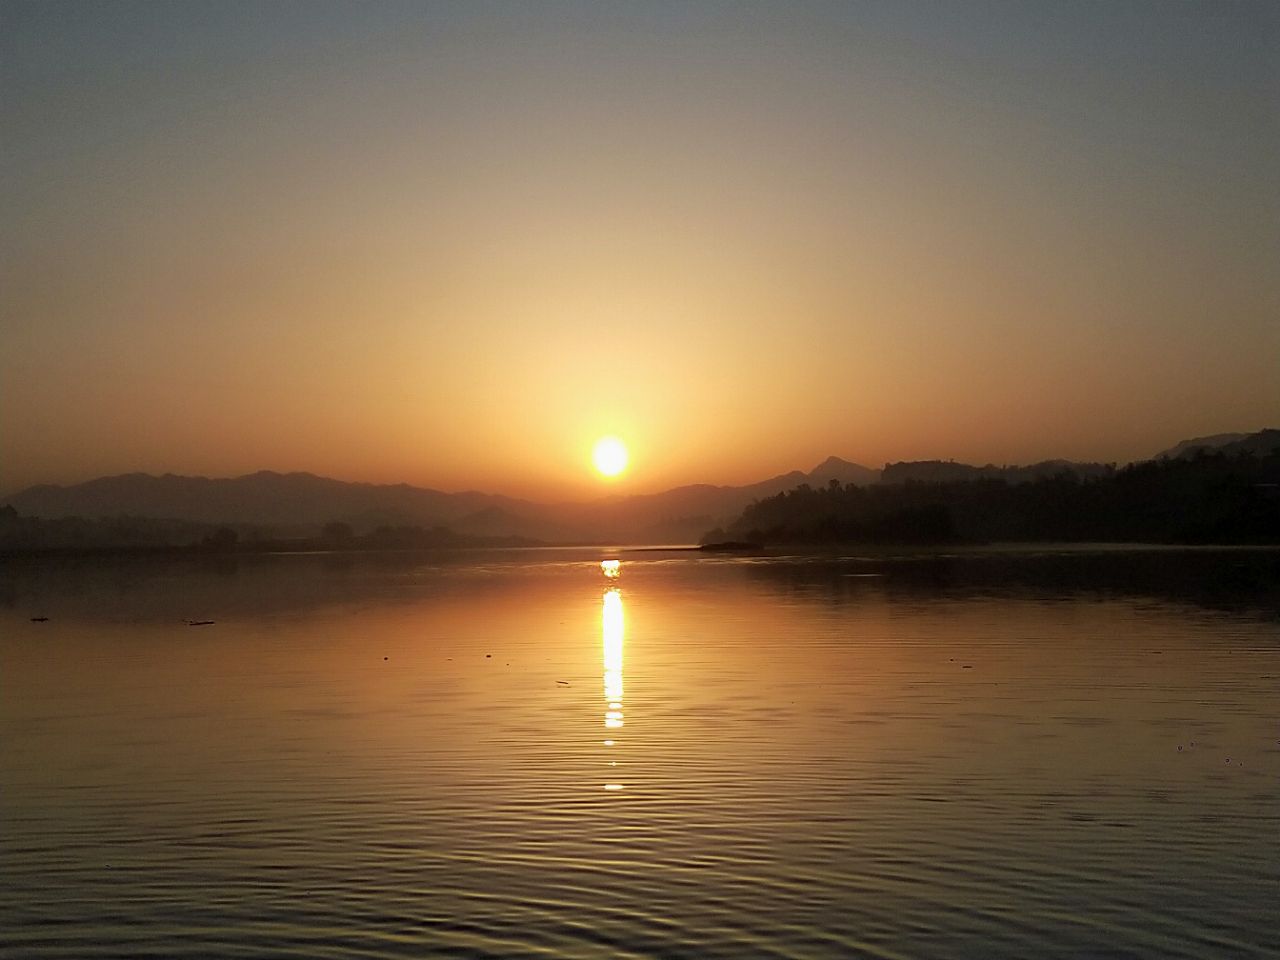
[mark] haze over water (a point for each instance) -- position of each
(512, 755)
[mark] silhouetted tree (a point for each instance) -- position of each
(1208, 498)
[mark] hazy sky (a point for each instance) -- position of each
(452, 244)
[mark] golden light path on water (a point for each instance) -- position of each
(973, 756)
(612, 623)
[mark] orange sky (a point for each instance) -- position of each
(452, 247)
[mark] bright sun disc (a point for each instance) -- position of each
(610, 456)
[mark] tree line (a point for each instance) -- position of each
(1208, 498)
(22, 534)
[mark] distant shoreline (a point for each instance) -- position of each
(772, 551)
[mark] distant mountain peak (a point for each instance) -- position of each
(842, 471)
(833, 463)
(1259, 443)
(301, 501)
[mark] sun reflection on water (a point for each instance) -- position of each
(612, 624)
(612, 628)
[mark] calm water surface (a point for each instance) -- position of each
(513, 755)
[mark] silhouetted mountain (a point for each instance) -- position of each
(678, 515)
(279, 500)
(299, 504)
(673, 516)
(1259, 444)
(1199, 443)
(267, 505)
(948, 471)
(833, 468)
(25, 535)
(1209, 497)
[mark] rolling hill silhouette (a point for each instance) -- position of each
(1259, 444)
(301, 503)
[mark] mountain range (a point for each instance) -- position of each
(299, 504)
(1232, 444)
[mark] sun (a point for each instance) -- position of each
(609, 456)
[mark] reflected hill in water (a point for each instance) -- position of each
(1242, 580)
